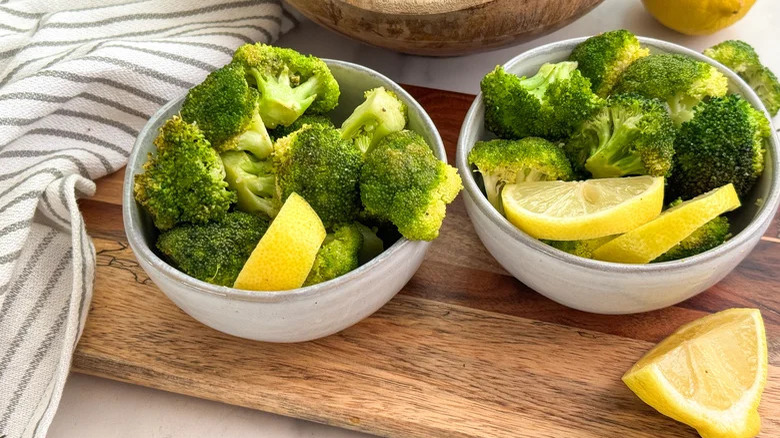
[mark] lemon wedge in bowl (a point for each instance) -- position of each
(708, 374)
(578, 210)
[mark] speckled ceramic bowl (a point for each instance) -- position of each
(287, 316)
(604, 287)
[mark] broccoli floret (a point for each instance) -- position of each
(502, 162)
(184, 182)
(224, 107)
(679, 80)
(289, 83)
(550, 104)
(381, 113)
(372, 244)
(723, 143)
(253, 181)
(214, 252)
(581, 248)
(632, 135)
(338, 254)
(603, 58)
(306, 119)
(743, 59)
(317, 164)
(706, 237)
(402, 182)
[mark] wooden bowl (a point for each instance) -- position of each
(443, 27)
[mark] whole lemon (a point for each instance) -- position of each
(698, 17)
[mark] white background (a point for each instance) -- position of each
(97, 408)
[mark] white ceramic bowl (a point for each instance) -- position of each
(603, 287)
(287, 316)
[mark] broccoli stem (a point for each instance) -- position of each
(280, 102)
(256, 139)
(614, 156)
(493, 186)
(537, 84)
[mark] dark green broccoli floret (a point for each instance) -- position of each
(214, 252)
(372, 244)
(306, 119)
(549, 104)
(581, 248)
(338, 254)
(502, 162)
(317, 164)
(603, 58)
(224, 107)
(402, 182)
(679, 80)
(630, 136)
(723, 143)
(706, 237)
(289, 83)
(743, 59)
(184, 182)
(381, 113)
(253, 181)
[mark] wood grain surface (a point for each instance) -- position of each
(465, 350)
(443, 27)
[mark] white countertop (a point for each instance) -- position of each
(99, 408)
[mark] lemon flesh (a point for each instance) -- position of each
(654, 238)
(284, 256)
(709, 374)
(698, 17)
(577, 210)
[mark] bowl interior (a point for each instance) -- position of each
(353, 81)
(764, 195)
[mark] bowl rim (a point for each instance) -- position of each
(143, 251)
(751, 232)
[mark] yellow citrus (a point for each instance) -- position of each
(698, 17)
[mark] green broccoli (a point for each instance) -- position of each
(224, 107)
(338, 254)
(214, 252)
(706, 237)
(550, 104)
(743, 59)
(502, 162)
(306, 119)
(602, 58)
(679, 80)
(372, 244)
(402, 182)
(184, 182)
(289, 83)
(723, 143)
(253, 181)
(632, 135)
(321, 167)
(581, 248)
(381, 113)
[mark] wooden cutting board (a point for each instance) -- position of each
(465, 350)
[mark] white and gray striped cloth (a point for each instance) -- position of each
(78, 80)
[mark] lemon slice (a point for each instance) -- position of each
(577, 210)
(654, 238)
(709, 374)
(284, 256)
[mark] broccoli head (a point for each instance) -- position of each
(253, 181)
(706, 237)
(602, 58)
(289, 83)
(321, 167)
(723, 143)
(306, 119)
(214, 252)
(743, 59)
(402, 182)
(550, 104)
(580, 248)
(632, 135)
(224, 107)
(184, 182)
(502, 162)
(679, 80)
(381, 113)
(338, 254)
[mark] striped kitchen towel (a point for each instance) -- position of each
(78, 80)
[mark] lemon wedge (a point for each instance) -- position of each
(285, 254)
(654, 238)
(577, 210)
(709, 374)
